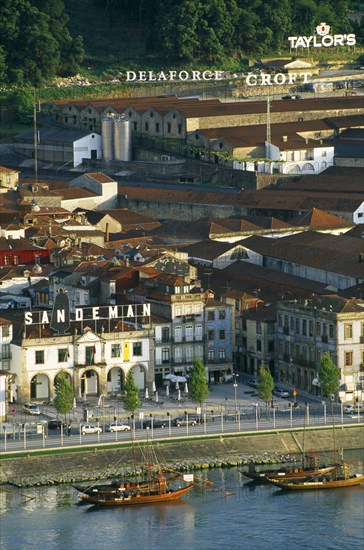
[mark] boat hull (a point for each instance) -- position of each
(316, 484)
(105, 500)
(296, 474)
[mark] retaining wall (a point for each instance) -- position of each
(231, 449)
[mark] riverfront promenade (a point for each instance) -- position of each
(229, 409)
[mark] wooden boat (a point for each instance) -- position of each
(116, 486)
(339, 478)
(154, 486)
(155, 491)
(310, 466)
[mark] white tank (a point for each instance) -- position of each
(107, 125)
(122, 139)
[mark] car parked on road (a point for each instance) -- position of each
(88, 429)
(147, 424)
(31, 408)
(115, 427)
(192, 421)
(353, 409)
(297, 96)
(280, 393)
(253, 382)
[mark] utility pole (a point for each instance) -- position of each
(268, 133)
(36, 137)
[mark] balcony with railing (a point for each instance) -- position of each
(174, 362)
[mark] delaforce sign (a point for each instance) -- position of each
(322, 39)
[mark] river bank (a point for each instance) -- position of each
(100, 462)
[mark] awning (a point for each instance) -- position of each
(174, 378)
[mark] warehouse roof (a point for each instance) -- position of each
(50, 133)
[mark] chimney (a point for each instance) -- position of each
(107, 233)
(284, 138)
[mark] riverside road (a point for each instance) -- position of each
(230, 409)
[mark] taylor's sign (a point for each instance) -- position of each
(322, 39)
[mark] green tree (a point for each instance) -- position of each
(22, 101)
(328, 375)
(71, 49)
(265, 385)
(198, 384)
(63, 399)
(131, 399)
(177, 30)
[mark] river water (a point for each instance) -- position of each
(208, 518)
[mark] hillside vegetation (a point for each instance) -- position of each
(40, 39)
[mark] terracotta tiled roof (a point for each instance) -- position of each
(280, 199)
(268, 222)
(229, 225)
(333, 180)
(74, 193)
(318, 219)
(209, 249)
(257, 282)
(99, 176)
(179, 195)
(295, 132)
(213, 108)
(338, 254)
(129, 217)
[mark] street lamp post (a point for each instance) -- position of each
(236, 392)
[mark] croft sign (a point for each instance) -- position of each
(322, 39)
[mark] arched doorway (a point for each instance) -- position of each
(115, 380)
(39, 387)
(89, 383)
(139, 372)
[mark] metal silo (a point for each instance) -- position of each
(122, 139)
(107, 125)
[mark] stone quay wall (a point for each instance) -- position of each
(183, 454)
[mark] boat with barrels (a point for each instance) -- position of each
(340, 477)
(152, 484)
(157, 489)
(310, 466)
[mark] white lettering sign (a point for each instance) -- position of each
(90, 313)
(279, 79)
(322, 39)
(151, 76)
